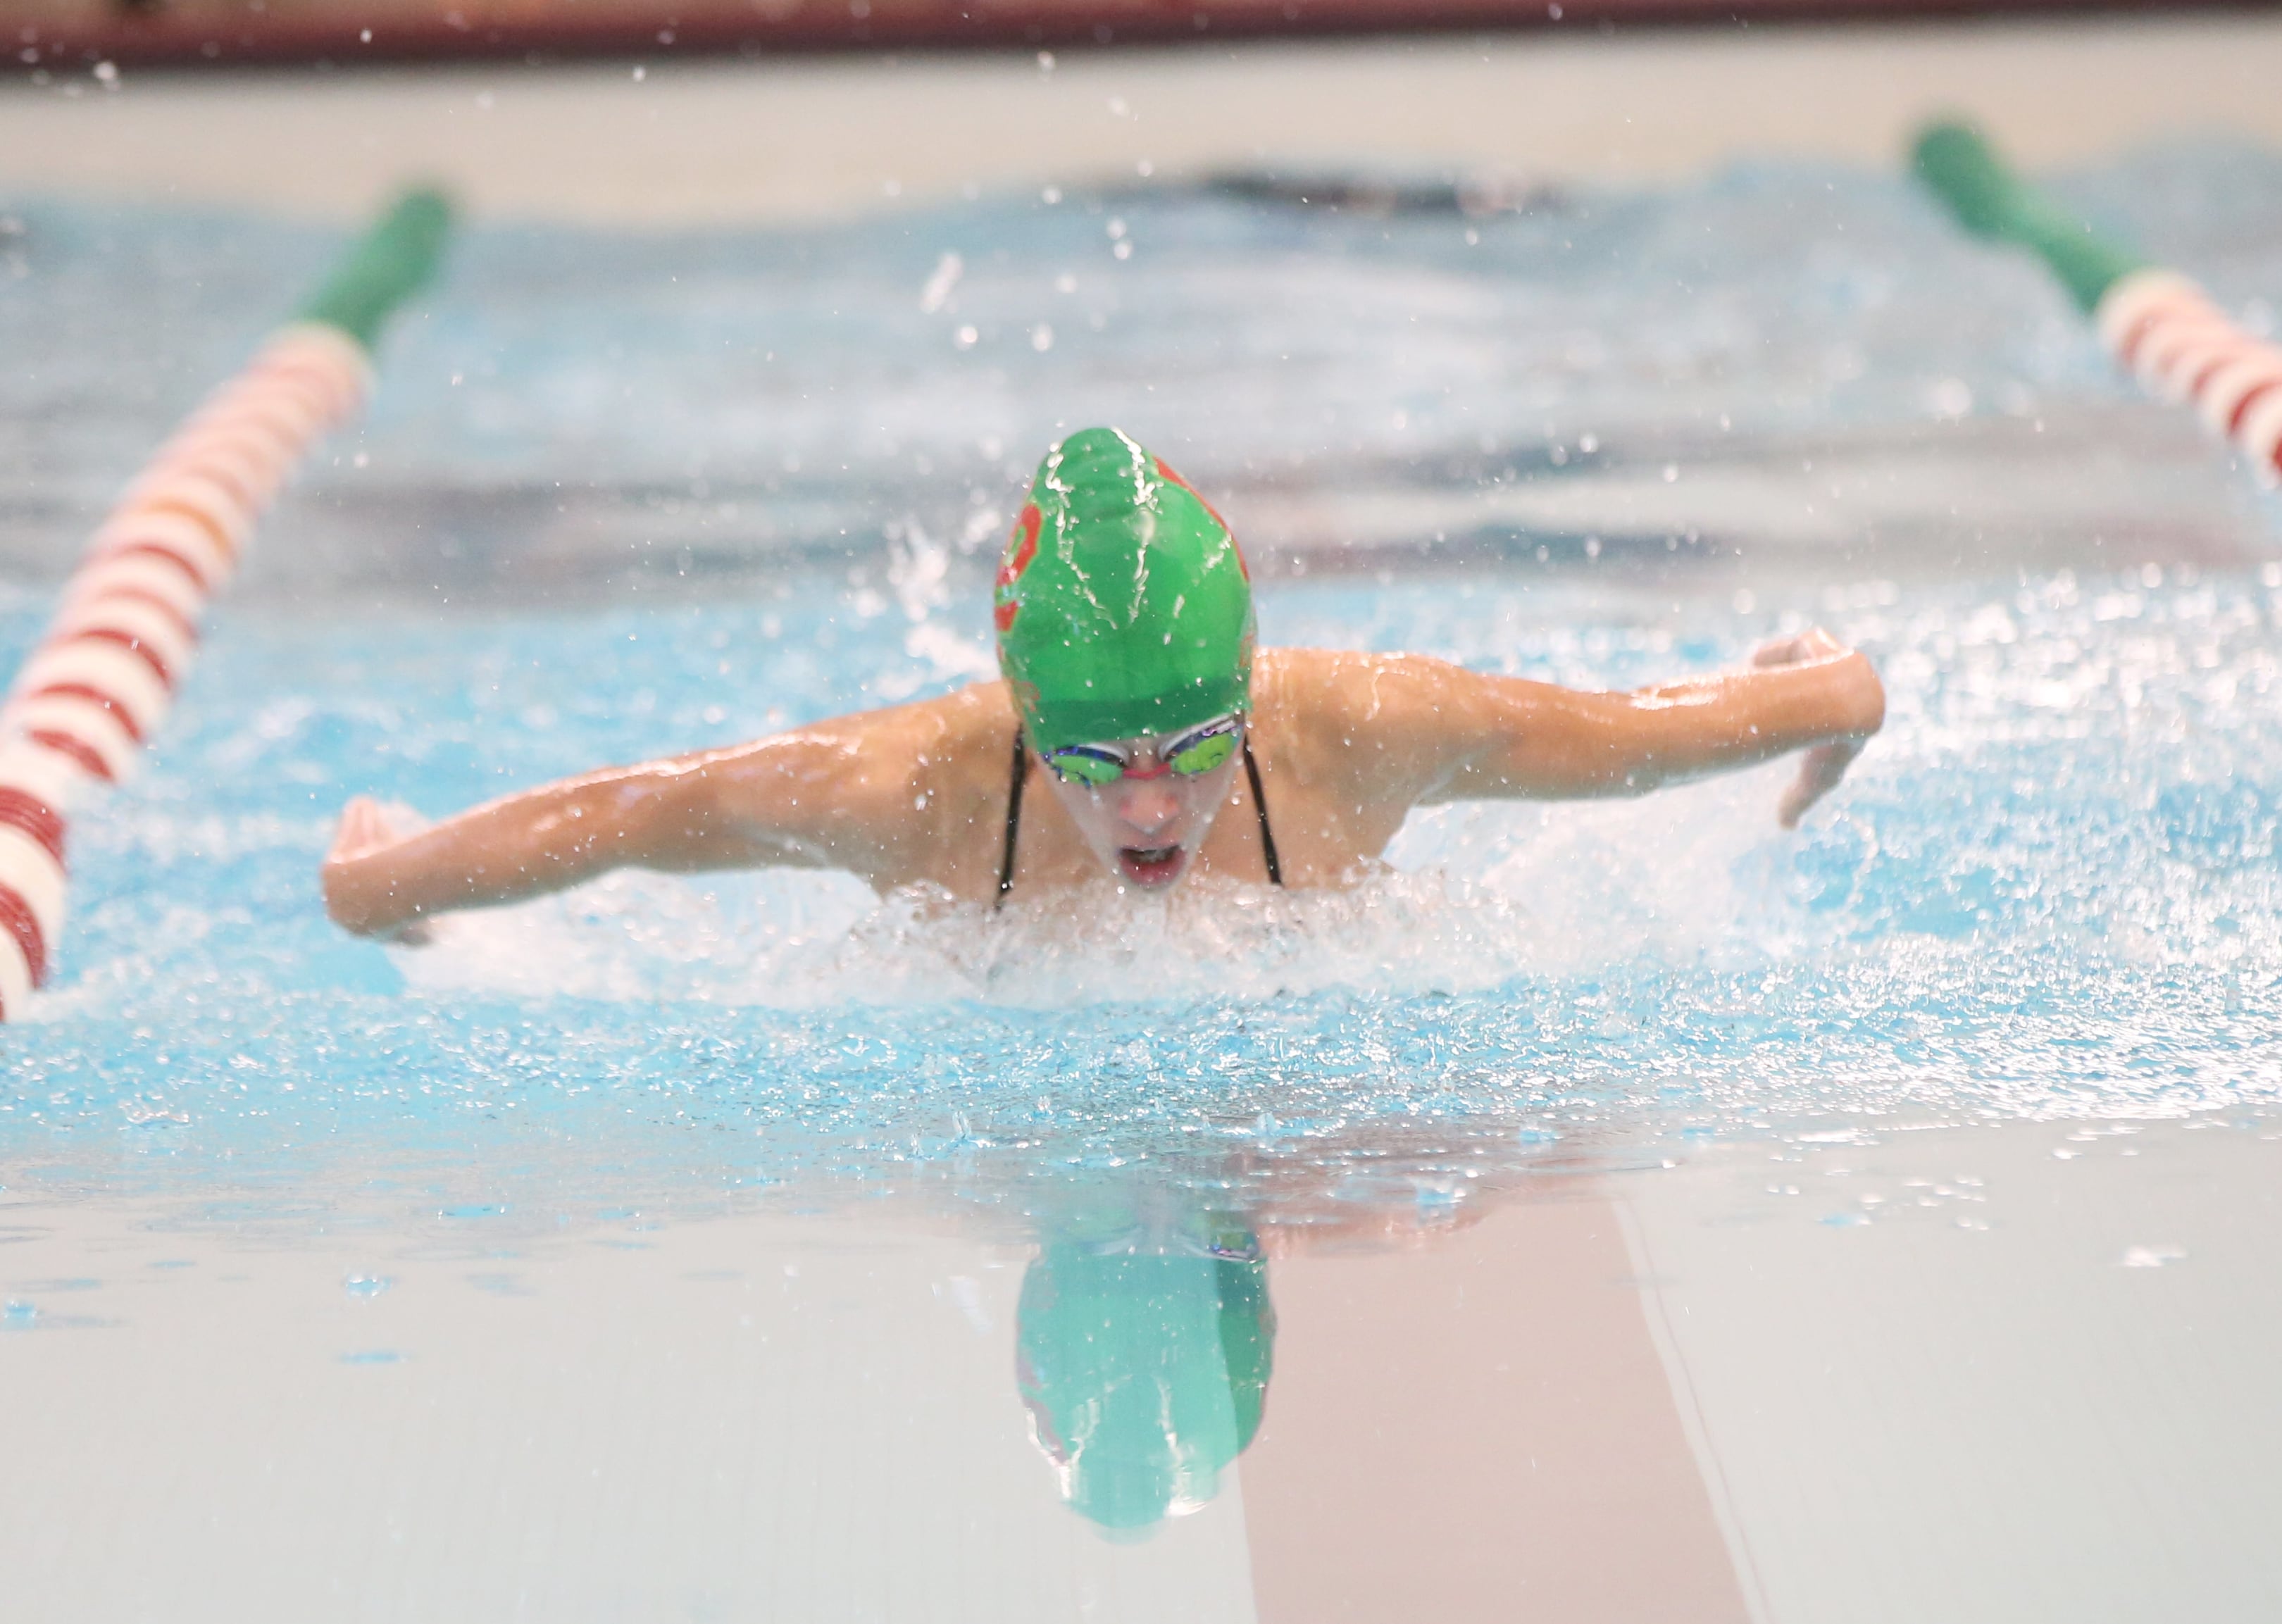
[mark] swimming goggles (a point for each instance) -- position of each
(1191, 754)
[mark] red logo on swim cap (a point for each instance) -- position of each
(1022, 547)
(1164, 470)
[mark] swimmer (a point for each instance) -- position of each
(1165, 747)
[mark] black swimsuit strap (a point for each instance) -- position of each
(1260, 806)
(1014, 817)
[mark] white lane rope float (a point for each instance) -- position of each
(2158, 324)
(2166, 331)
(101, 678)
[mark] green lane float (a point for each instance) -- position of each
(2160, 326)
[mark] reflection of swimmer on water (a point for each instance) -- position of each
(1132, 695)
(1143, 1361)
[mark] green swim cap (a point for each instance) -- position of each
(1122, 604)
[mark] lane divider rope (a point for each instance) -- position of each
(99, 681)
(2158, 324)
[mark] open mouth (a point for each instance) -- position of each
(1150, 864)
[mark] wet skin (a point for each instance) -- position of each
(916, 794)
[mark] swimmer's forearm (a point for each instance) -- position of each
(1685, 730)
(1546, 742)
(528, 845)
(668, 815)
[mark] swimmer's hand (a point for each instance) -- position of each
(351, 898)
(1822, 766)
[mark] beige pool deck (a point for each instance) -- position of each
(671, 142)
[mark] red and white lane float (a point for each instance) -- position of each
(2157, 324)
(2183, 348)
(98, 683)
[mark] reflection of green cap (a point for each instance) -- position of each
(1144, 1375)
(1122, 604)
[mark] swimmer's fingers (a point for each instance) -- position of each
(1814, 643)
(365, 827)
(1818, 773)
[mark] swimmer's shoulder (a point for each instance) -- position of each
(1365, 726)
(976, 719)
(948, 748)
(1342, 696)
(906, 793)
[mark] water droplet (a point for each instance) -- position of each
(2151, 1257)
(937, 291)
(366, 1286)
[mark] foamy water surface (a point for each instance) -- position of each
(2047, 889)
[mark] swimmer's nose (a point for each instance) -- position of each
(1149, 804)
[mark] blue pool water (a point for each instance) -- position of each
(2048, 889)
(622, 496)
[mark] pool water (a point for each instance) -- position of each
(622, 496)
(2047, 889)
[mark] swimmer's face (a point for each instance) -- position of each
(1147, 823)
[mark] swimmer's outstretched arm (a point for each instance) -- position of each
(823, 796)
(1468, 736)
